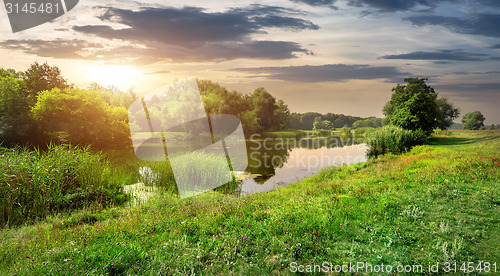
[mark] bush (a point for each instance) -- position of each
(35, 184)
(394, 139)
(359, 132)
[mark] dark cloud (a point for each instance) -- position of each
(59, 48)
(490, 3)
(189, 33)
(316, 3)
(442, 55)
(475, 24)
(497, 46)
(391, 5)
(326, 73)
(488, 92)
(476, 72)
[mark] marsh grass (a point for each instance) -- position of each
(393, 139)
(36, 183)
(198, 171)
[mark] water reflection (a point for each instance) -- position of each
(272, 163)
(278, 164)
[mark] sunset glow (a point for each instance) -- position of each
(120, 76)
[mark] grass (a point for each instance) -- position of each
(35, 184)
(435, 203)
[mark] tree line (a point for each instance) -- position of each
(38, 106)
(315, 120)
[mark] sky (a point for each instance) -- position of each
(338, 56)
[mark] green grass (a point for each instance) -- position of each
(35, 184)
(435, 203)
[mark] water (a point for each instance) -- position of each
(275, 163)
(281, 164)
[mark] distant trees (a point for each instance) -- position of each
(321, 124)
(415, 106)
(258, 112)
(473, 120)
(368, 122)
(306, 121)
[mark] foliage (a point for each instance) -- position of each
(35, 184)
(15, 122)
(368, 122)
(321, 124)
(446, 113)
(39, 77)
(258, 112)
(18, 93)
(362, 131)
(345, 131)
(473, 120)
(394, 139)
(306, 121)
(81, 117)
(416, 106)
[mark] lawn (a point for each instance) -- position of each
(437, 203)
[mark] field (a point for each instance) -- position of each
(436, 203)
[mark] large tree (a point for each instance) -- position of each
(416, 106)
(473, 120)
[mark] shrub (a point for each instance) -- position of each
(394, 139)
(360, 132)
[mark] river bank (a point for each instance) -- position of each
(436, 203)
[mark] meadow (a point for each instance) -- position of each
(435, 203)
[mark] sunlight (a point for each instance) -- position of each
(122, 77)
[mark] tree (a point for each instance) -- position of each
(492, 126)
(416, 106)
(446, 113)
(473, 120)
(16, 126)
(321, 124)
(81, 117)
(39, 77)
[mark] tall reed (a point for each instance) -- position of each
(34, 183)
(394, 139)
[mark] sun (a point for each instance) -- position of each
(120, 76)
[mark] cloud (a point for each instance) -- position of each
(193, 34)
(391, 5)
(179, 35)
(318, 3)
(441, 55)
(476, 24)
(326, 73)
(488, 92)
(497, 46)
(59, 48)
